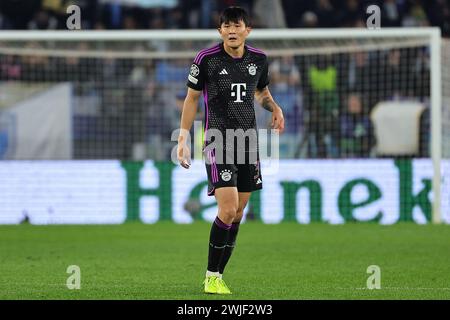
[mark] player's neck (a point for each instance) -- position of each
(235, 53)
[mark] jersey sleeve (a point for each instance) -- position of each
(264, 77)
(196, 77)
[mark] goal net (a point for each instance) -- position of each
(364, 101)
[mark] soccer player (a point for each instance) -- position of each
(230, 74)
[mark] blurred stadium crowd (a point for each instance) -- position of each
(327, 99)
(179, 14)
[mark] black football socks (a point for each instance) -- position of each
(217, 244)
(231, 243)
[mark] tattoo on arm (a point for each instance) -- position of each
(266, 101)
(267, 104)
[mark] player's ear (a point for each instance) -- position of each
(249, 29)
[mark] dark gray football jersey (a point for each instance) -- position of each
(229, 86)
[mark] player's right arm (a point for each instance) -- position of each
(187, 118)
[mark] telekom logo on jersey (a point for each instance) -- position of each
(238, 91)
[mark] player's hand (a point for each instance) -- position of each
(278, 120)
(184, 155)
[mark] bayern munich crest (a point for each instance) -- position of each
(252, 69)
(225, 175)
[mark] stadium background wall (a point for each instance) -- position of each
(384, 191)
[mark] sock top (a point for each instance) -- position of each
(221, 224)
(235, 225)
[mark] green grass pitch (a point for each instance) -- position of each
(283, 261)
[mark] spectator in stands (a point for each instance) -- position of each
(157, 20)
(284, 73)
(275, 19)
(175, 19)
(169, 72)
(361, 76)
(391, 13)
(348, 13)
(358, 76)
(395, 75)
(112, 15)
(421, 74)
(10, 68)
(35, 67)
(415, 16)
(43, 21)
(78, 70)
(191, 13)
(309, 20)
(129, 23)
(438, 13)
(134, 116)
(108, 73)
(293, 9)
(321, 89)
(325, 13)
(4, 23)
(355, 129)
(285, 84)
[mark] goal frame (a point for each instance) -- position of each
(432, 33)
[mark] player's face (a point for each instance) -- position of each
(234, 33)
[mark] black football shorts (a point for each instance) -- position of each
(245, 176)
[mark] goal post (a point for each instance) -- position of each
(306, 46)
(436, 118)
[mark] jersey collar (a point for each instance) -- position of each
(230, 57)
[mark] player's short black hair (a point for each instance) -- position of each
(235, 14)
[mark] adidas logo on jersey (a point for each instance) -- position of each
(259, 181)
(223, 72)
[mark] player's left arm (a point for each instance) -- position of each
(266, 101)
